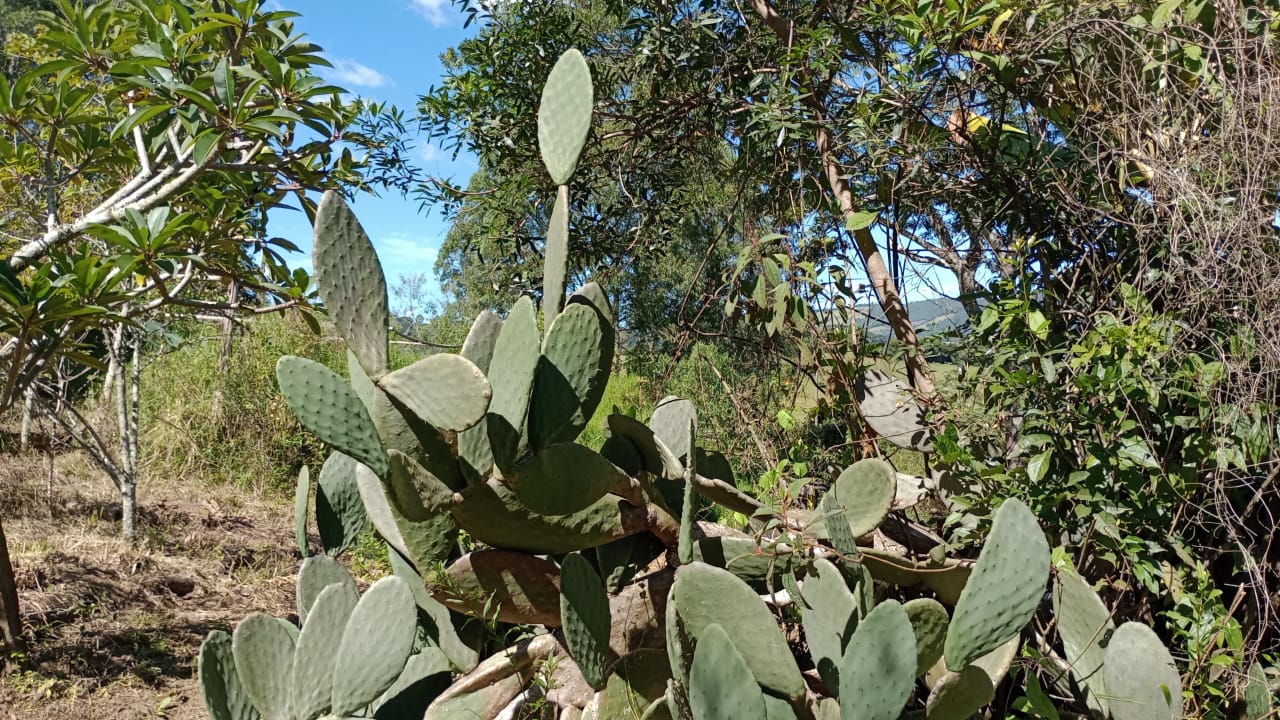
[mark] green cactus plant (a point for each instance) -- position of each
(468, 468)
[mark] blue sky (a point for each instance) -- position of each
(389, 50)
(385, 50)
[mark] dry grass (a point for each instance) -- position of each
(109, 636)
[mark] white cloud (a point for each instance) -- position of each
(405, 254)
(436, 12)
(350, 72)
(428, 153)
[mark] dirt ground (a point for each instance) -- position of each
(113, 630)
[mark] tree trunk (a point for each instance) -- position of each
(28, 400)
(228, 324)
(10, 619)
(877, 271)
(127, 396)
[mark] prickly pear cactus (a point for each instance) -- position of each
(620, 601)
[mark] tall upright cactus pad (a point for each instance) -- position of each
(224, 697)
(703, 595)
(555, 258)
(375, 645)
(1005, 588)
(340, 515)
(721, 686)
(301, 500)
(515, 359)
(571, 376)
(878, 669)
(1141, 680)
(351, 283)
(829, 615)
(327, 406)
(688, 505)
(263, 649)
(564, 115)
(474, 455)
(446, 391)
(317, 651)
(584, 614)
(481, 339)
(1084, 623)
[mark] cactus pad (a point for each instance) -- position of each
(592, 294)
(515, 359)
(863, 495)
(1084, 624)
(959, 696)
(929, 623)
(1257, 694)
(584, 613)
(721, 686)
(224, 698)
(878, 670)
(656, 456)
(566, 478)
(263, 650)
(316, 574)
(1005, 588)
(446, 391)
(564, 115)
(301, 500)
(437, 621)
(1141, 680)
(350, 281)
(491, 513)
(317, 651)
(570, 377)
(507, 586)
(375, 645)
(478, 347)
(758, 567)
(670, 423)
(946, 578)
(829, 615)
(555, 258)
(340, 515)
(889, 407)
(326, 405)
(703, 595)
(420, 505)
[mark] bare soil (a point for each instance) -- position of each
(114, 630)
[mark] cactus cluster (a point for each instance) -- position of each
(638, 610)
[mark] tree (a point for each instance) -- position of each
(140, 153)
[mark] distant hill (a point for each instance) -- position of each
(930, 317)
